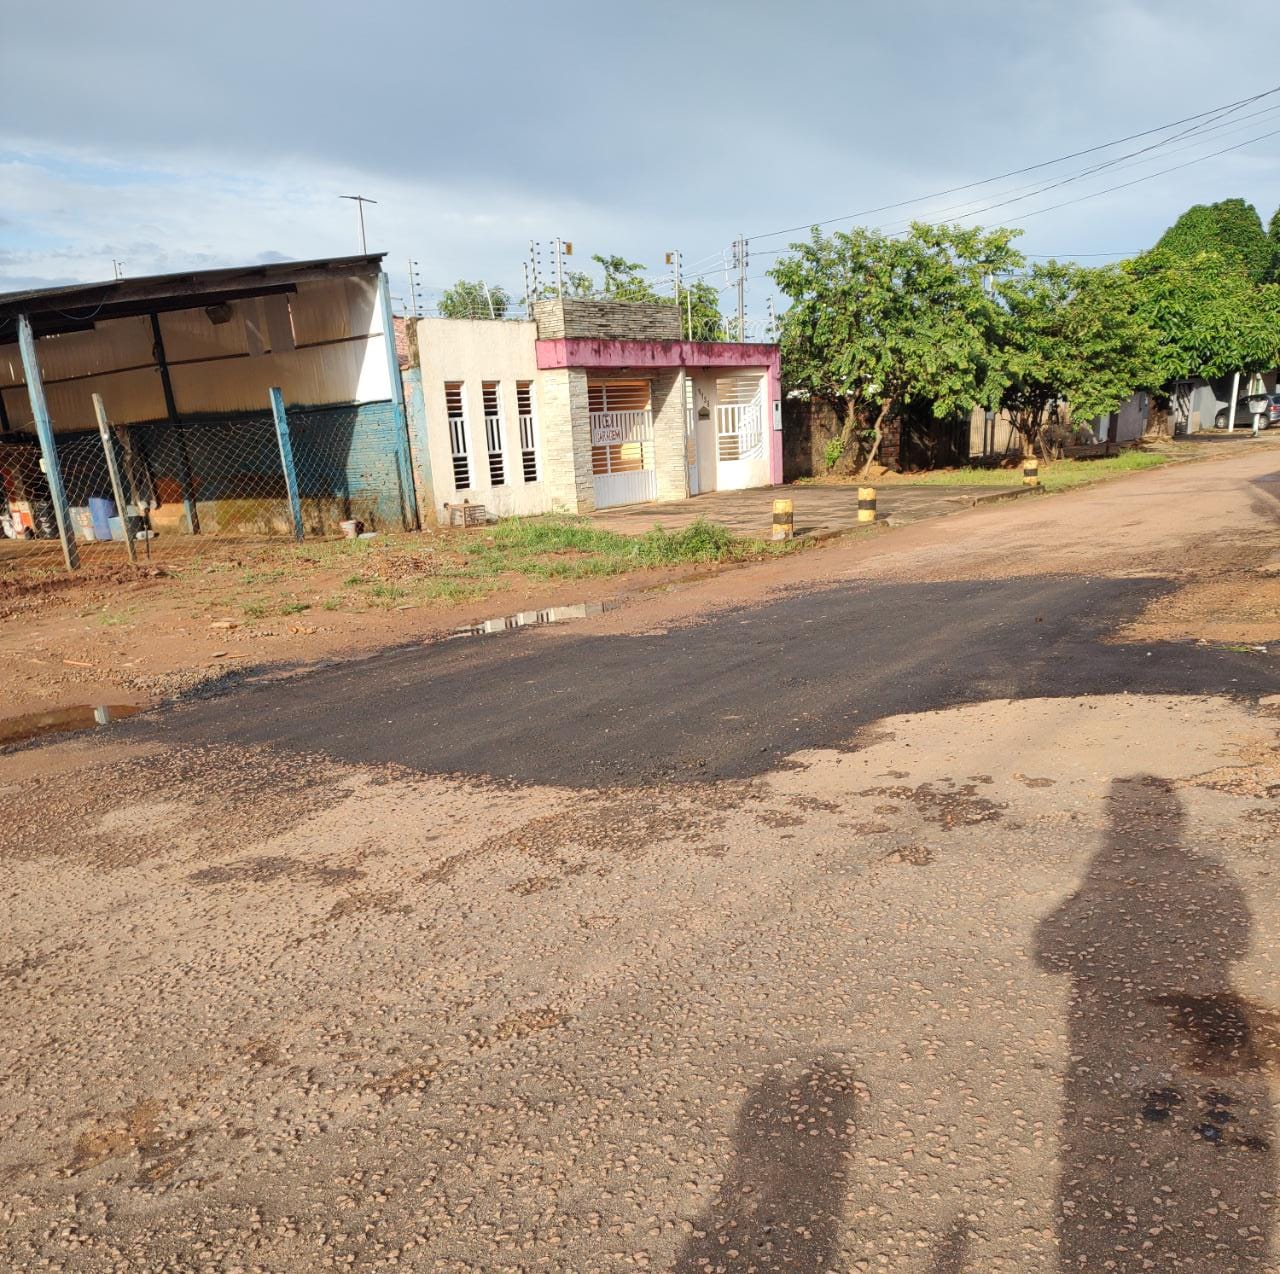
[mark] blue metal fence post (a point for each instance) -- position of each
(48, 447)
(408, 497)
(286, 460)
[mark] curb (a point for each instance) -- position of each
(993, 496)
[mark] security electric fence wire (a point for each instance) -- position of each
(202, 485)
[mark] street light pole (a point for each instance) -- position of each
(360, 201)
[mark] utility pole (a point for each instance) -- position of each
(360, 201)
(560, 269)
(528, 296)
(117, 269)
(773, 318)
(488, 296)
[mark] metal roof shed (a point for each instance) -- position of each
(180, 360)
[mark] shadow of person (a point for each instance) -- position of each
(1167, 1124)
(780, 1205)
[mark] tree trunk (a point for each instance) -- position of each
(876, 433)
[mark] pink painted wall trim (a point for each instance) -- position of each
(601, 355)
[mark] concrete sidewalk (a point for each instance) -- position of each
(750, 513)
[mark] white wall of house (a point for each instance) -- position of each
(472, 352)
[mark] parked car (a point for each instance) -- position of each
(1248, 407)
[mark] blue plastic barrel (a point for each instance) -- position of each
(101, 511)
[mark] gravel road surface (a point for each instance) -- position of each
(907, 905)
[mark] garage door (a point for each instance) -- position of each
(621, 442)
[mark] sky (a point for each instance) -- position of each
(179, 136)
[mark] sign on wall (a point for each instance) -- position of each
(777, 415)
(606, 431)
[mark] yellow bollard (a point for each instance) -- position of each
(866, 504)
(1030, 471)
(784, 526)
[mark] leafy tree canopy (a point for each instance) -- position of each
(1209, 317)
(624, 280)
(700, 312)
(878, 322)
(1073, 346)
(1231, 228)
(471, 300)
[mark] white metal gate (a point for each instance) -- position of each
(621, 442)
(739, 431)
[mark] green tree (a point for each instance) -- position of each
(877, 322)
(472, 300)
(1273, 233)
(576, 283)
(623, 279)
(700, 315)
(1209, 318)
(1231, 228)
(1074, 347)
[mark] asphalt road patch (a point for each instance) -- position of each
(731, 696)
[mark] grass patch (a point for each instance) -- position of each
(571, 548)
(1055, 475)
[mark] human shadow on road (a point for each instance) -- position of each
(1167, 1124)
(781, 1202)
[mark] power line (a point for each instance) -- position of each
(1226, 150)
(1216, 111)
(1093, 194)
(1018, 194)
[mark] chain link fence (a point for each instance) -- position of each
(187, 488)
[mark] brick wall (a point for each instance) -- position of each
(606, 320)
(914, 440)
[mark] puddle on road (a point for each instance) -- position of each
(33, 725)
(532, 618)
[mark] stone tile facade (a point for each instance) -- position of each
(608, 320)
(566, 439)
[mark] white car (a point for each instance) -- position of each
(1247, 408)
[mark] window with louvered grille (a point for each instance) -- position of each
(528, 435)
(456, 412)
(493, 431)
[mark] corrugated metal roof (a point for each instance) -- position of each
(54, 309)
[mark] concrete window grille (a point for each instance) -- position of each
(456, 412)
(493, 431)
(528, 437)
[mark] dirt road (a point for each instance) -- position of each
(907, 905)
